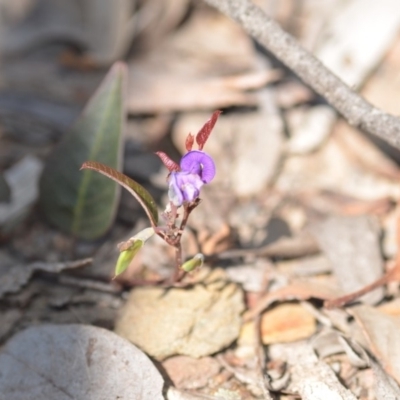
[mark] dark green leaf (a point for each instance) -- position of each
(138, 191)
(83, 203)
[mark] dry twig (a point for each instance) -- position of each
(354, 108)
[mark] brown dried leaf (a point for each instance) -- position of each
(297, 290)
(212, 74)
(364, 152)
(331, 168)
(385, 386)
(382, 334)
(193, 93)
(346, 35)
(309, 128)
(352, 246)
(157, 19)
(382, 87)
(310, 377)
(190, 373)
(287, 323)
(330, 202)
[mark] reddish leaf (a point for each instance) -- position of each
(189, 142)
(204, 132)
(138, 191)
(170, 164)
(297, 290)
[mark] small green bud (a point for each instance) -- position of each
(130, 248)
(195, 262)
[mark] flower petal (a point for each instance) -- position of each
(190, 192)
(200, 163)
(174, 192)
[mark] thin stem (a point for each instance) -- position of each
(390, 276)
(160, 231)
(178, 273)
(173, 214)
(172, 235)
(188, 208)
(178, 255)
(185, 217)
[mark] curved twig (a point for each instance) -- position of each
(353, 107)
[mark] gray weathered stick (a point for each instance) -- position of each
(356, 110)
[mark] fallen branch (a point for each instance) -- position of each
(354, 108)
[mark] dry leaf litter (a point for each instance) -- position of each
(304, 208)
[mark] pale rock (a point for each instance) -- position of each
(78, 362)
(196, 321)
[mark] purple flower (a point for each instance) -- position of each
(197, 168)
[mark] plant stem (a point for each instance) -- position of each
(178, 255)
(178, 273)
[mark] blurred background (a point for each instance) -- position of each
(284, 157)
(275, 140)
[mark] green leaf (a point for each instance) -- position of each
(84, 204)
(138, 191)
(126, 257)
(130, 248)
(5, 193)
(194, 263)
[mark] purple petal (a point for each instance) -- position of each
(189, 184)
(174, 192)
(184, 186)
(200, 163)
(190, 192)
